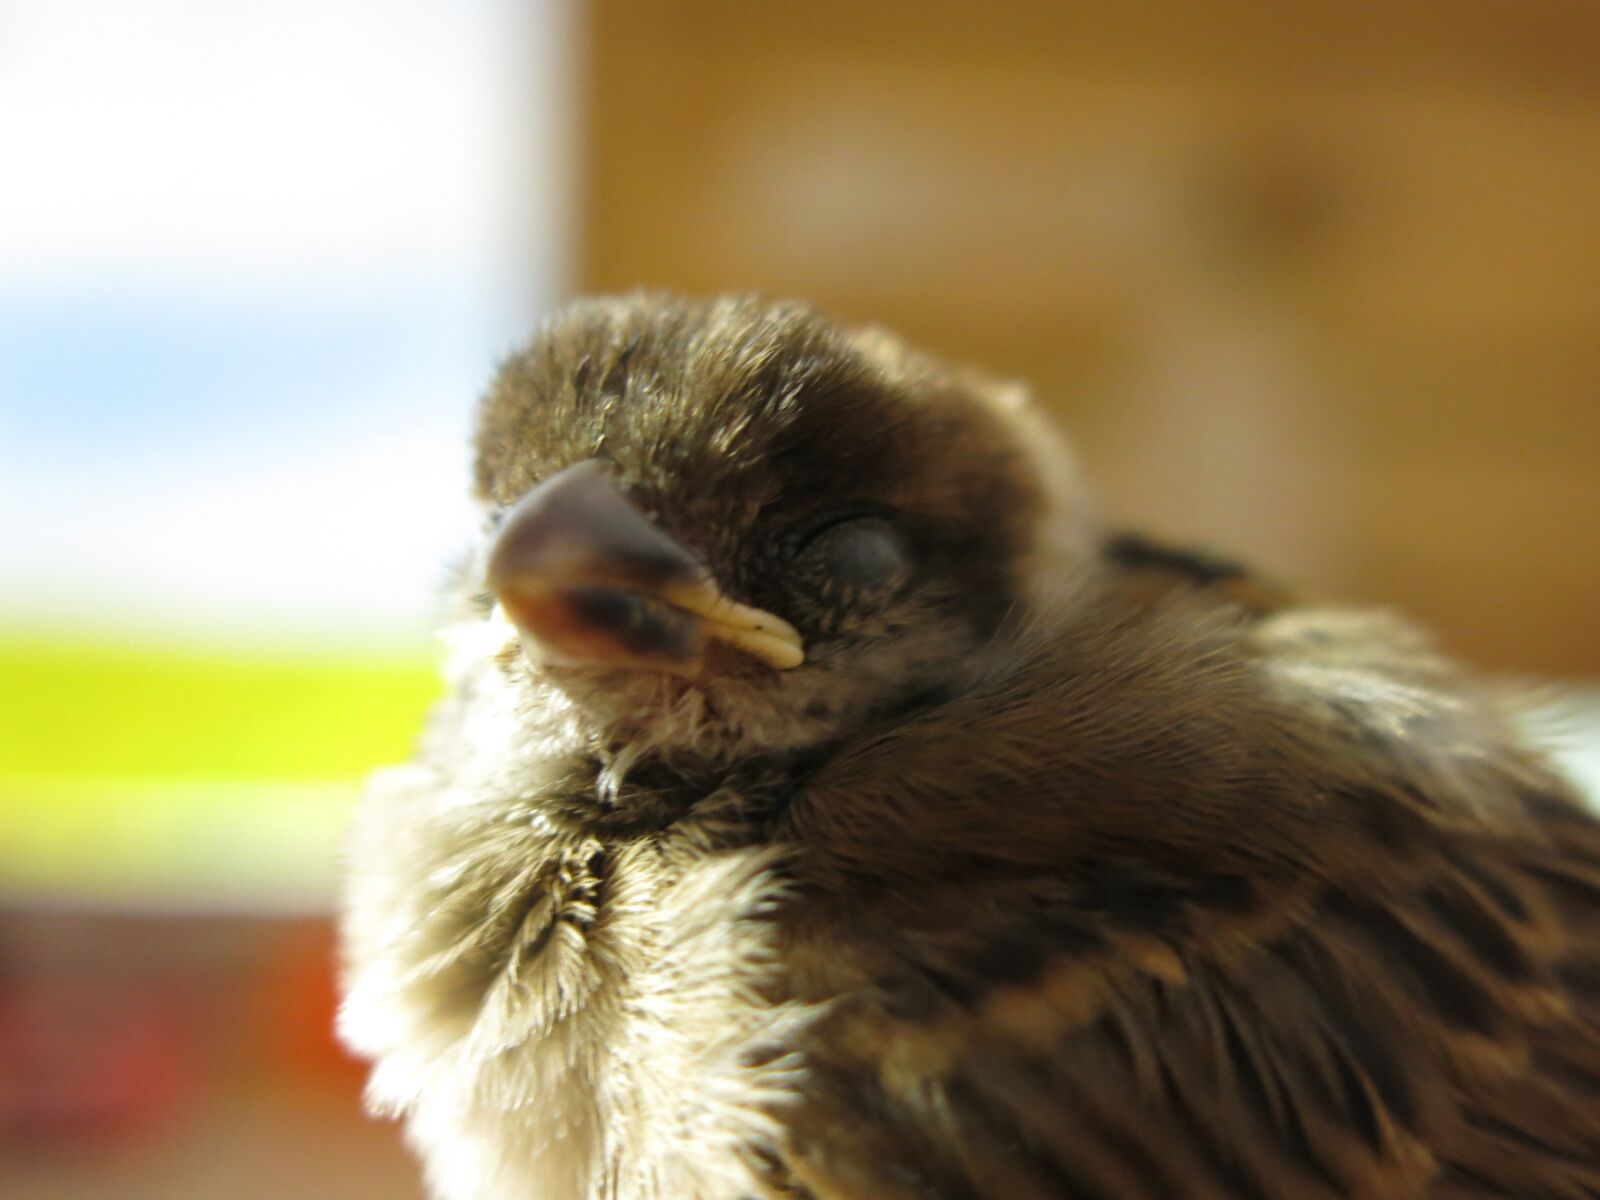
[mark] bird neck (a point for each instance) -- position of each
(617, 797)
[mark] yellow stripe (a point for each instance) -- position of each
(77, 711)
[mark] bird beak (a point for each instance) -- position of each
(587, 578)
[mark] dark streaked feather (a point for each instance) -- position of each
(1334, 979)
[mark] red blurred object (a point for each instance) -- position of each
(81, 1062)
(300, 992)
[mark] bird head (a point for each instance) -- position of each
(730, 528)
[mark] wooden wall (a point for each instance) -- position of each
(1317, 283)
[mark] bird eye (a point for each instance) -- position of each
(864, 553)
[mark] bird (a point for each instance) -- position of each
(829, 801)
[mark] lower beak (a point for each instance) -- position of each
(587, 578)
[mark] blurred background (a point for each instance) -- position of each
(1316, 284)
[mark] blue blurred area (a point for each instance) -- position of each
(130, 374)
(255, 267)
(230, 460)
(105, 391)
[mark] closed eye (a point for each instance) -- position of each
(859, 553)
(837, 517)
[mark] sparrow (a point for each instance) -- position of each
(829, 803)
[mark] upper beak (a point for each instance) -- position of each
(587, 578)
